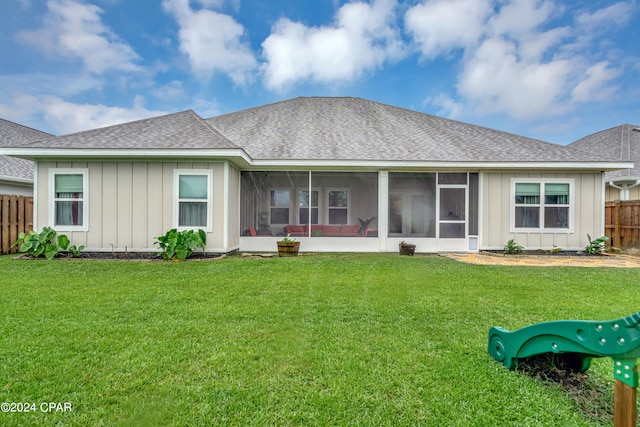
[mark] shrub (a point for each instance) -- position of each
(512, 248)
(179, 245)
(46, 242)
(595, 246)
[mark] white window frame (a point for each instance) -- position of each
(542, 205)
(176, 198)
(347, 208)
(296, 203)
(53, 199)
(288, 190)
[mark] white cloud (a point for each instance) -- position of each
(617, 14)
(514, 60)
(596, 85)
(441, 26)
(496, 80)
(212, 41)
(75, 30)
(67, 117)
(363, 37)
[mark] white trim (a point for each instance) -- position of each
(329, 207)
(383, 210)
(247, 163)
(15, 180)
(542, 182)
(36, 174)
(85, 198)
(176, 201)
(227, 205)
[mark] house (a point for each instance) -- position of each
(16, 175)
(622, 143)
(344, 174)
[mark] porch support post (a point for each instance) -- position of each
(383, 209)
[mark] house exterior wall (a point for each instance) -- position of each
(588, 212)
(130, 204)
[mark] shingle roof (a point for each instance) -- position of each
(325, 128)
(13, 134)
(183, 130)
(621, 142)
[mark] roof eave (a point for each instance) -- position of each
(453, 165)
(240, 158)
(16, 180)
(236, 155)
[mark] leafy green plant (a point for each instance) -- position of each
(45, 243)
(595, 246)
(512, 248)
(179, 245)
(288, 238)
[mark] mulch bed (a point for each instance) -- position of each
(131, 256)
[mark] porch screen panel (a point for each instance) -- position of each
(269, 201)
(452, 213)
(412, 204)
(347, 204)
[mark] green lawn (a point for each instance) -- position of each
(329, 340)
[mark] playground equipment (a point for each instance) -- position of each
(575, 343)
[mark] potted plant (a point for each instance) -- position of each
(407, 248)
(288, 246)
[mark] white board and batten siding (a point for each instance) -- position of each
(588, 211)
(131, 203)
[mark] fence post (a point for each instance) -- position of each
(4, 224)
(616, 217)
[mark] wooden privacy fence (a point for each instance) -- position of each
(622, 223)
(16, 215)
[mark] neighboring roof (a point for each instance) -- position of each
(183, 130)
(621, 142)
(13, 134)
(323, 128)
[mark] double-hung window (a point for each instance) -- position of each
(68, 192)
(308, 206)
(542, 204)
(338, 205)
(279, 206)
(193, 205)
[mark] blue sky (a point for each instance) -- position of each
(553, 70)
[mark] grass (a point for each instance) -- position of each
(372, 340)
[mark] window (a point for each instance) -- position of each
(303, 203)
(542, 204)
(193, 204)
(279, 207)
(68, 191)
(338, 206)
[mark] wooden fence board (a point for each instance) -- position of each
(622, 223)
(16, 216)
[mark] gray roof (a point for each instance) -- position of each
(325, 128)
(183, 130)
(621, 142)
(13, 134)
